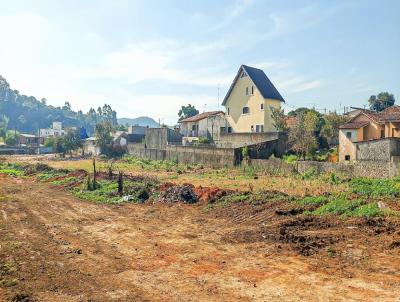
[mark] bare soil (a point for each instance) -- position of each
(55, 247)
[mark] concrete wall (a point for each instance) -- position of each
(274, 166)
(157, 138)
(371, 169)
(237, 140)
(213, 157)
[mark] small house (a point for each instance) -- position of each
(206, 124)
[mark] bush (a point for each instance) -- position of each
(203, 140)
(290, 159)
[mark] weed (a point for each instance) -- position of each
(309, 174)
(331, 252)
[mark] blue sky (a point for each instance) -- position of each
(151, 57)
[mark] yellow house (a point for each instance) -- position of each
(249, 100)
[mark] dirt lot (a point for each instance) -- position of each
(59, 248)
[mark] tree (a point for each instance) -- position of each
(302, 137)
(67, 106)
(279, 120)
(72, 140)
(330, 129)
(311, 121)
(11, 138)
(3, 125)
(381, 101)
(103, 136)
(187, 111)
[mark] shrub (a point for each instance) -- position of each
(291, 158)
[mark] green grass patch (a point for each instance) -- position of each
(376, 187)
(66, 181)
(12, 169)
(367, 210)
(312, 200)
(106, 192)
(338, 206)
(45, 176)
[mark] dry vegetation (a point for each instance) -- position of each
(189, 233)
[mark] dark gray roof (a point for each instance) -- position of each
(260, 79)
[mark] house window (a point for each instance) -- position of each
(229, 129)
(383, 134)
(228, 111)
(252, 89)
(347, 157)
(222, 130)
(262, 106)
(247, 90)
(193, 127)
(259, 128)
(245, 110)
(348, 134)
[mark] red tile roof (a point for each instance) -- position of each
(354, 125)
(200, 116)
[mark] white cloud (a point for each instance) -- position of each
(237, 10)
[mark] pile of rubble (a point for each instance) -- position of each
(178, 193)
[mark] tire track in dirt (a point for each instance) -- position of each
(77, 250)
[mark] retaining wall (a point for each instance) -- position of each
(212, 157)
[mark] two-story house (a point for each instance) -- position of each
(249, 101)
(367, 125)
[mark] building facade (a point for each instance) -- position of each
(249, 102)
(56, 130)
(367, 126)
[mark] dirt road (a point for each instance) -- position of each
(59, 248)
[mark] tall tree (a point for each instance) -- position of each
(187, 111)
(279, 120)
(381, 101)
(103, 136)
(72, 140)
(302, 137)
(330, 129)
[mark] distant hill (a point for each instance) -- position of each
(141, 121)
(28, 114)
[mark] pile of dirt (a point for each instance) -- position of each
(209, 195)
(177, 193)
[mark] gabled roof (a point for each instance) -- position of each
(354, 125)
(260, 79)
(390, 114)
(201, 116)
